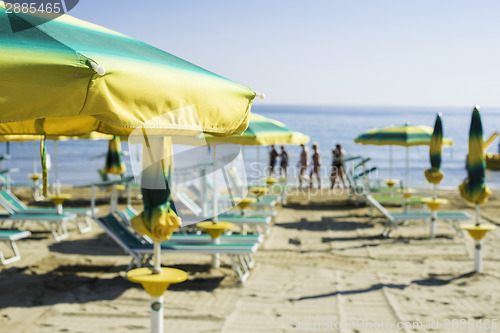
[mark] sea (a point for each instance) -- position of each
(79, 160)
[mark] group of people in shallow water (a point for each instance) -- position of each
(337, 172)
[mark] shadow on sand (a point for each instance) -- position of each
(431, 281)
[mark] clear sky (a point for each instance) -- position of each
(348, 52)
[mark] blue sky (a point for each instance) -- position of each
(374, 52)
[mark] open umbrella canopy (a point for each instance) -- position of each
(69, 77)
(261, 131)
(474, 188)
(406, 136)
(434, 174)
(31, 137)
(114, 163)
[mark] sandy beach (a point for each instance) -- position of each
(323, 267)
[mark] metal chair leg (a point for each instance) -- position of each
(12, 259)
(59, 236)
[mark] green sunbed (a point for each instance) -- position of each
(141, 250)
(13, 205)
(56, 222)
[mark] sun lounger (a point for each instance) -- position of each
(255, 222)
(12, 236)
(56, 222)
(13, 205)
(129, 212)
(141, 250)
(254, 218)
(394, 218)
(190, 204)
(261, 212)
(224, 239)
(398, 200)
(265, 201)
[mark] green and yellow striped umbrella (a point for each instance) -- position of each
(261, 131)
(406, 136)
(69, 77)
(474, 188)
(114, 163)
(434, 174)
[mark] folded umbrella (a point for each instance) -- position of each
(114, 162)
(434, 174)
(474, 188)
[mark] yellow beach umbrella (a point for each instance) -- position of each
(70, 77)
(261, 131)
(405, 136)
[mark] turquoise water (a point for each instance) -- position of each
(326, 125)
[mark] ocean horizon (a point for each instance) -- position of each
(79, 161)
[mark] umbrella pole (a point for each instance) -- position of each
(204, 191)
(56, 169)
(390, 162)
(433, 214)
(407, 163)
(478, 258)
(405, 187)
(258, 158)
(215, 199)
(216, 256)
(157, 302)
(33, 145)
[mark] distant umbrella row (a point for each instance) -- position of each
(474, 188)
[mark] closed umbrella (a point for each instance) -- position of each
(114, 162)
(474, 188)
(434, 174)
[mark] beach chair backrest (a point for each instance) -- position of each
(121, 234)
(188, 202)
(10, 202)
(128, 213)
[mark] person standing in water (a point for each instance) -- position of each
(284, 162)
(273, 159)
(316, 165)
(304, 156)
(337, 166)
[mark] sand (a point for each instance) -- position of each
(323, 267)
